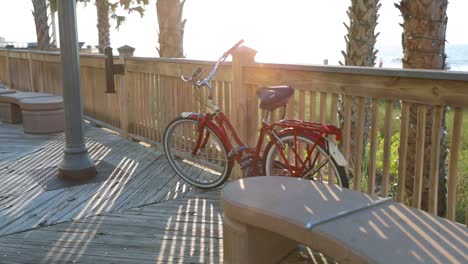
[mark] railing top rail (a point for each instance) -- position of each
(179, 60)
(52, 53)
(384, 72)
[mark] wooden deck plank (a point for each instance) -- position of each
(25, 205)
(187, 230)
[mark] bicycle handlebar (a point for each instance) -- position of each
(198, 70)
(229, 51)
(206, 82)
(193, 77)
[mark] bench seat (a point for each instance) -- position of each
(266, 217)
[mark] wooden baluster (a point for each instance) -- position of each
(8, 68)
(419, 159)
(158, 115)
(142, 103)
(323, 108)
(312, 106)
(301, 104)
(404, 127)
(290, 107)
(227, 98)
(148, 105)
(435, 155)
(31, 73)
(132, 103)
(219, 94)
(219, 91)
(359, 144)
(154, 117)
(137, 104)
(387, 148)
(334, 110)
(453, 170)
(347, 129)
(374, 144)
(333, 121)
(252, 116)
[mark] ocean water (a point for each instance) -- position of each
(457, 57)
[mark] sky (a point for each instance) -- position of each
(294, 31)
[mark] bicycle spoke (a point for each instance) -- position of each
(200, 160)
(303, 157)
(316, 169)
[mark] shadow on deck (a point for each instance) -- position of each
(142, 213)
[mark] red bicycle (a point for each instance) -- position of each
(203, 148)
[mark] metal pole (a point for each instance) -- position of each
(76, 163)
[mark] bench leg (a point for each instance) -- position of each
(43, 122)
(247, 244)
(10, 113)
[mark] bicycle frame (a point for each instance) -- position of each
(220, 124)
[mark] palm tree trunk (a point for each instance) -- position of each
(360, 42)
(42, 26)
(171, 28)
(103, 25)
(424, 27)
(53, 25)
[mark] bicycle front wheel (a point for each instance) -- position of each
(209, 166)
(293, 159)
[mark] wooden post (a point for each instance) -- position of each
(239, 95)
(8, 74)
(241, 118)
(31, 78)
(125, 52)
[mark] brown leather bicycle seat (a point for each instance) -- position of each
(272, 97)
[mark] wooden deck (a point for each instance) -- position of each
(143, 213)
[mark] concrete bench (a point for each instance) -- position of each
(266, 217)
(6, 91)
(39, 112)
(43, 114)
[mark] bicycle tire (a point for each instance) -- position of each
(209, 168)
(270, 158)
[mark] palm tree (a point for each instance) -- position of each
(109, 9)
(103, 25)
(171, 28)
(106, 9)
(42, 26)
(360, 51)
(424, 27)
(53, 24)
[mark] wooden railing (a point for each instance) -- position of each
(153, 94)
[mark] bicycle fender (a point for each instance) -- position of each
(189, 114)
(313, 136)
(336, 154)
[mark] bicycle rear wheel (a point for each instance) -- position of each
(320, 165)
(209, 167)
